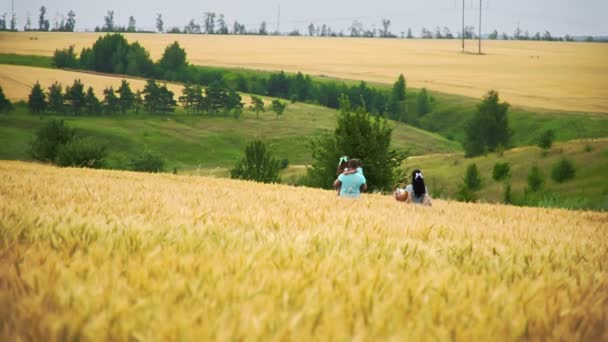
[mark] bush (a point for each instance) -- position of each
(49, 138)
(545, 141)
(535, 180)
(257, 165)
(148, 162)
(507, 197)
(65, 58)
(501, 171)
(5, 105)
(465, 194)
(81, 152)
(471, 179)
(284, 164)
(562, 171)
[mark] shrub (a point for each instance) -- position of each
(545, 141)
(284, 164)
(535, 180)
(5, 105)
(562, 171)
(148, 162)
(465, 194)
(48, 139)
(81, 152)
(588, 148)
(257, 165)
(471, 179)
(501, 171)
(507, 196)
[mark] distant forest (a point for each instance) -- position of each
(216, 23)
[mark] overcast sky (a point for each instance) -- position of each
(575, 17)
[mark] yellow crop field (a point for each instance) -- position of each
(17, 81)
(107, 255)
(551, 75)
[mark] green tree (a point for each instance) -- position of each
(91, 103)
(489, 127)
(257, 105)
(5, 105)
(127, 98)
(361, 135)
(110, 101)
(507, 197)
(75, 97)
(65, 58)
(501, 171)
(216, 96)
(258, 165)
(167, 100)
(422, 102)
(37, 99)
(56, 99)
(233, 103)
(563, 170)
(152, 97)
(188, 98)
(173, 61)
(278, 107)
(535, 180)
(399, 88)
(546, 139)
(48, 139)
(472, 180)
(139, 101)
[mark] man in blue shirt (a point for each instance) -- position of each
(351, 185)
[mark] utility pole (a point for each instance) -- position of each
(463, 26)
(480, 27)
(279, 21)
(13, 17)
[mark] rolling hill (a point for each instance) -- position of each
(551, 75)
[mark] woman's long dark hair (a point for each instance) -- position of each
(418, 183)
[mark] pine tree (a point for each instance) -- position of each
(5, 105)
(127, 98)
(92, 104)
(110, 101)
(56, 99)
(75, 97)
(37, 99)
(258, 165)
(257, 105)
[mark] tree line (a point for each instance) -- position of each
(216, 23)
(74, 100)
(112, 53)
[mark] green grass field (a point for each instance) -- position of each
(449, 113)
(589, 188)
(193, 142)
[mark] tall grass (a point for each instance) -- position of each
(89, 254)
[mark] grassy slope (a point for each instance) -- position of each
(449, 112)
(589, 188)
(189, 142)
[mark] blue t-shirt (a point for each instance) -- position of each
(351, 184)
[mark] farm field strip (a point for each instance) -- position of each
(97, 254)
(551, 75)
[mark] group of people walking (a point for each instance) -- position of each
(351, 183)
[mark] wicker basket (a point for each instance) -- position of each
(400, 194)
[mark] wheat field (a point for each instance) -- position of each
(107, 255)
(551, 75)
